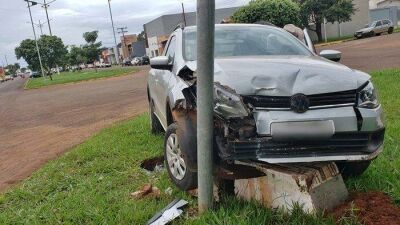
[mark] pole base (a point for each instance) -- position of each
(314, 187)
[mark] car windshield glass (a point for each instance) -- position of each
(371, 24)
(247, 41)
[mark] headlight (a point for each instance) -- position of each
(367, 97)
(228, 104)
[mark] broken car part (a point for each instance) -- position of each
(169, 213)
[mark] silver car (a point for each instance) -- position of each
(275, 101)
(375, 28)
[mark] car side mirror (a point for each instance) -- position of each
(160, 63)
(331, 55)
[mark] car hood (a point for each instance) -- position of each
(367, 29)
(285, 76)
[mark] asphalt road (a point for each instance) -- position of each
(370, 54)
(38, 125)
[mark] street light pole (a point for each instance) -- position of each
(34, 34)
(205, 92)
(115, 38)
(183, 14)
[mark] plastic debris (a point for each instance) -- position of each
(169, 213)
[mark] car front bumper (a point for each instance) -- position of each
(358, 135)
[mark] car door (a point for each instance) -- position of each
(308, 40)
(378, 27)
(161, 80)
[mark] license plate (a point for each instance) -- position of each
(307, 130)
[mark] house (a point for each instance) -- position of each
(158, 30)
(388, 3)
(126, 45)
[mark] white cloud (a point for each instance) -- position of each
(71, 18)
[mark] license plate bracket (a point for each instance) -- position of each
(302, 130)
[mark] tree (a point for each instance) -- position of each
(278, 12)
(76, 55)
(52, 51)
(313, 12)
(91, 50)
(12, 68)
(141, 36)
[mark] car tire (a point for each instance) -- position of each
(390, 31)
(352, 169)
(155, 124)
(176, 161)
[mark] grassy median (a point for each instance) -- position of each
(72, 77)
(91, 184)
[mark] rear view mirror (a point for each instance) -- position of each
(331, 55)
(160, 63)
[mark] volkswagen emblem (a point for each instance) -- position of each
(299, 103)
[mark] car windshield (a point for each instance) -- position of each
(371, 24)
(247, 41)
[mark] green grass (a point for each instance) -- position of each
(91, 184)
(72, 77)
(345, 38)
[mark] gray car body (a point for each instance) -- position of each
(273, 76)
(374, 29)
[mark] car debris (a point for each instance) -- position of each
(154, 164)
(169, 213)
(147, 190)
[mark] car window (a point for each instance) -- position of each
(171, 48)
(379, 23)
(247, 41)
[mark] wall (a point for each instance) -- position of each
(359, 20)
(391, 13)
(389, 3)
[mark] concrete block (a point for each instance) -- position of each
(315, 187)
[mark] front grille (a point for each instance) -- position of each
(339, 144)
(319, 100)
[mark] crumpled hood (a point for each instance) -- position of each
(365, 30)
(285, 76)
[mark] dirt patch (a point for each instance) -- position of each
(371, 208)
(153, 164)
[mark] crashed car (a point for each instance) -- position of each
(275, 101)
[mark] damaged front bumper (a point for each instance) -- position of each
(343, 133)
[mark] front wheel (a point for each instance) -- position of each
(176, 161)
(390, 31)
(352, 169)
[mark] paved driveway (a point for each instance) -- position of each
(370, 53)
(38, 125)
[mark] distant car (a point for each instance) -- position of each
(35, 74)
(127, 63)
(9, 77)
(145, 60)
(375, 28)
(137, 61)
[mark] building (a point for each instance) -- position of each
(126, 45)
(388, 3)
(138, 49)
(108, 56)
(158, 30)
(358, 21)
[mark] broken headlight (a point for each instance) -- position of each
(367, 97)
(227, 103)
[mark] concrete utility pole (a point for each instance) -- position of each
(34, 34)
(5, 56)
(115, 38)
(45, 6)
(123, 31)
(183, 14)
(205, 102)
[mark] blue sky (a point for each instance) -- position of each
(71, 18)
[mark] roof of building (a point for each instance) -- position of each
(165, 25)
